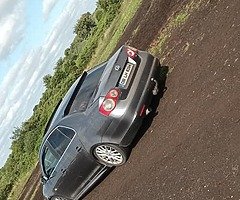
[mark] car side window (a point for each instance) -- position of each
(67, 132)
(60, 139)
(49, 161)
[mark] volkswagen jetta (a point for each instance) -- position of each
(93, 126)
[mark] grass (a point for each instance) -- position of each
(111, 37)
(18, 187)
(135, 31)
(176, 20)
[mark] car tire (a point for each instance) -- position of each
(110, 154)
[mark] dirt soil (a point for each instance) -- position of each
(32, 184)
(190, 149)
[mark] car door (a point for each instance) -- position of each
(76, 167)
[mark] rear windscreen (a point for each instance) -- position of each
(86, 91)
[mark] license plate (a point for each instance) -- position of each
(126, 74)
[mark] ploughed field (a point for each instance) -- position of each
(188, 149)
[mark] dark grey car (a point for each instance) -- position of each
(93, 126)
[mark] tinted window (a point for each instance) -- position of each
(59, 141)
(49, 161)
(69, 133)
(88, 87)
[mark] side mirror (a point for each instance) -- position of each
(43, 179)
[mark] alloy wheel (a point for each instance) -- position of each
(110, 154)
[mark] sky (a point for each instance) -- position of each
(33, 36)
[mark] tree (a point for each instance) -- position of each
(84, 26)
(47, 80)
(60, 62)
(107, 4)
(16, 133)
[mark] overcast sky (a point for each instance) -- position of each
(33, 36)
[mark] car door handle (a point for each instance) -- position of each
(78, 148)
(63, 171)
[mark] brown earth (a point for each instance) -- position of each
(32, 183)
(191, 148)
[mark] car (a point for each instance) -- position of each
(92, 128)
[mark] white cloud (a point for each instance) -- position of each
(12, 25)
(48, 5)
(7, 6)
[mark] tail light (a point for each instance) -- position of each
(131, 52)
(109, 102)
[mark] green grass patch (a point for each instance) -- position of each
(176, 20)
(180, 18)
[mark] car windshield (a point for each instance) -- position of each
(87, 89)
